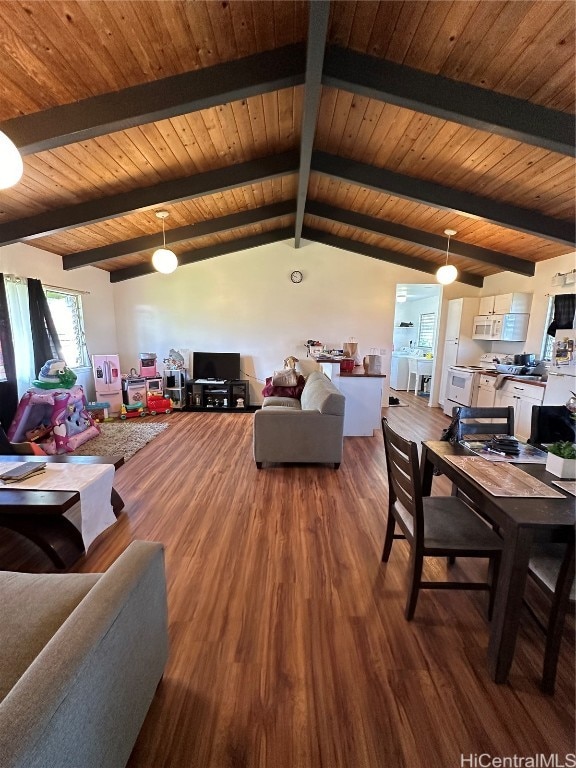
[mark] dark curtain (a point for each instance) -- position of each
(45, 340)
(9, 388)
(564, 309)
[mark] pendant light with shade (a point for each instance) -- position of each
(163, 259)
(11, 165)
(448, 273)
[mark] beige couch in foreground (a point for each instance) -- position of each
(81, 656)
(301, 431)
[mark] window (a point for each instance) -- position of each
(66, 310)
(2, 369)
(548, 341)
(426, 330)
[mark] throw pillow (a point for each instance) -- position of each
(285, 378)
(271, 391)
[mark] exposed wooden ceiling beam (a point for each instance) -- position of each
(319, 13)
(383, 254)
(446, 198)
(449, 99)
(179, 234)
(158, 100)
(166, 193)
(419, 237)
(201, 254)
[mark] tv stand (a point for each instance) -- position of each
(218, 395)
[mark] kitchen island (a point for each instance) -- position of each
(363, 393)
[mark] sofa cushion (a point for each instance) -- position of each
(33, 607)
(281, 402)
(320, 394)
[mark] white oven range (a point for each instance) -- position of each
(462, 379)
(460, 384)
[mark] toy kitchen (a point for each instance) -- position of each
(138, 385)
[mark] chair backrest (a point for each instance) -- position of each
(502, 421)
(403, 471)
(551, 423)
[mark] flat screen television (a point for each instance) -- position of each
(222, 366)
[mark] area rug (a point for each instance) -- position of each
(123, 437)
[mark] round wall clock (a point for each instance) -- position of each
(296, 276)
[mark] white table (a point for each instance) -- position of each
(418, 367)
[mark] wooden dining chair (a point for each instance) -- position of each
(434, 526)
(501, 421)
(552, 569)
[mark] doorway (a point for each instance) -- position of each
(415, 335)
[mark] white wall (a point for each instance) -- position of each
(410, 312)
(98, 303)
(245, 302)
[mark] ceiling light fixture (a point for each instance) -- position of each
(401, 298)
(448, 273)
(11, 165)
(163, 259)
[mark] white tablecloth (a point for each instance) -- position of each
(94, 483)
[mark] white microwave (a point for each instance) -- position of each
(511, 327)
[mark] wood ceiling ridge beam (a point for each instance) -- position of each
(165, 193)
(158, 100)
(179, 234)
(445, 198)
(211, 251)
(449, 99)
(383, 254)
(420, 237)
(319, 14)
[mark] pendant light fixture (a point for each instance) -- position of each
(448, 273)
(11, 165)
(163, 259)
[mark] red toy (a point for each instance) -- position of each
(159, 404)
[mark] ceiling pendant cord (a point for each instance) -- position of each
(448, 273)
(164, 260)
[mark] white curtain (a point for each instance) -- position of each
(17, 297)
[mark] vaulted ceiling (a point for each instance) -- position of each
(370, 126)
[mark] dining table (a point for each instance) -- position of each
(521, 520)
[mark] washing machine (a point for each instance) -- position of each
(399, 371)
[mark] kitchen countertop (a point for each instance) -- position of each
(522, 379)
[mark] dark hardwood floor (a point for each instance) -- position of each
(289, 647)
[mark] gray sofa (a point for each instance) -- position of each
(305, 430)
(81, 656)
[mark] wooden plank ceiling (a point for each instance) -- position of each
(372, 126)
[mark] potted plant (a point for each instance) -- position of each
(561, 460)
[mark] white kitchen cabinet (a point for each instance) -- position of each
(485, 392)
(522, 396)
(505, 303)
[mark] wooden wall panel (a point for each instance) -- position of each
(49, 47)
(181, 214)
(433, 220)
(523, 49)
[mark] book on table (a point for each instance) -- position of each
(23, 471)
